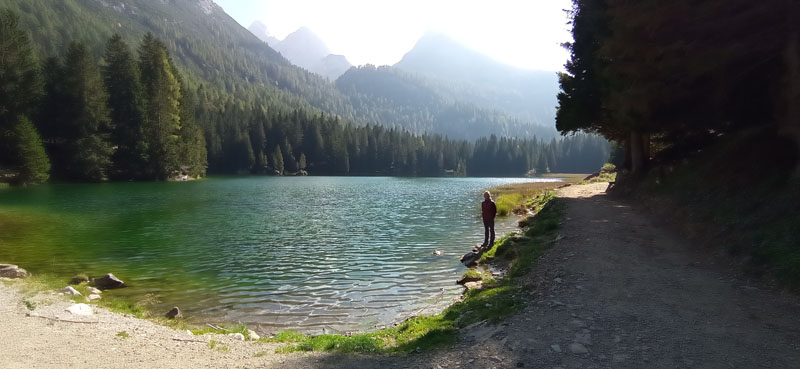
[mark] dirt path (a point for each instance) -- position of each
(616, 286)
(633, 296)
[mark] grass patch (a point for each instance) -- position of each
(608, 173)
(123, 334)
(214, 345)
(518, 198)
(138, 309)
(496, 301)
(261, 354)
(506, 203)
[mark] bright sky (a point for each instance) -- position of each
(522, 33)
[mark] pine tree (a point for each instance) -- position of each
(162, 96)
(193, 155)
(31, 163)
(277, 160)
(86, 142)
(121, 78)
(20, 85)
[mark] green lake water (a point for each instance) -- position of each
(275, 253)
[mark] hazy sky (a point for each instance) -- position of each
(523, 33)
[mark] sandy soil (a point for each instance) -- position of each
(616, 291)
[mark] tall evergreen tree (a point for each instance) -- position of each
(162, 96)
(121, 78)
(85, 142)
(192, 149)
(20, 90)
(277, 160)
(20, 82)
(32, 163)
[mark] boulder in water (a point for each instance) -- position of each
(470, 259)
(108, 282)
(469, 278)
(174, 313)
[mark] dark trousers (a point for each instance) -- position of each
(488, 226)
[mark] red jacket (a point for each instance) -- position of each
(488, 210)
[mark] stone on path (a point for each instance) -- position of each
(174, 313)
(107, 282)
(577, 348)
(80, 309)
(12, 271)
(70, 291)
(93, 290)
(237, 336)
(93, 297)
(583, 338)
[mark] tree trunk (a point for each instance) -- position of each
(788, 117)
(637, 153)
(627, 164)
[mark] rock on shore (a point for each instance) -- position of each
(108, 282)
(12, 271)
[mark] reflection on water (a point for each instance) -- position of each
(301, 252)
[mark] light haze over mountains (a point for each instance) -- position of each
(304, 49)
(458, 73)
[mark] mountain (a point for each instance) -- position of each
(433, 106)
(305, 49)
(527, 94)
(225, 63)
(259, 29)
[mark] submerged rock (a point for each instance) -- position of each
(107, 282)
(12, 271)
(174, 313)
(469, 278)
(80, 309)
(470, 259)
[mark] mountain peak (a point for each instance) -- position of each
(259, 29)
(207, 6)
(304, 41)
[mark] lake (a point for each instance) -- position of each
(302, 253)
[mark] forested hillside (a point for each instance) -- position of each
(432, 106)
(93, 95)
(214, 50)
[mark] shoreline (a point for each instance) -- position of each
(387, 339)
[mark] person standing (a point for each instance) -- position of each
(488, 212)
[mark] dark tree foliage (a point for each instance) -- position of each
(681, 73)
(31, 164)
(81, 146)
(20, 90)
(125, 101)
